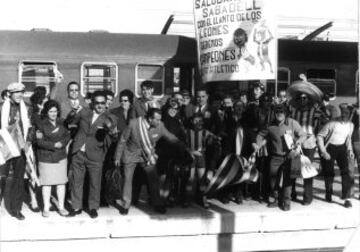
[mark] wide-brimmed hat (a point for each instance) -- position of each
(16, 87)
(298, 88)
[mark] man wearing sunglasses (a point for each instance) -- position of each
(96, 130)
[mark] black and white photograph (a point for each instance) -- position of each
(168, 125)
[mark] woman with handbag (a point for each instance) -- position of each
(334, 142)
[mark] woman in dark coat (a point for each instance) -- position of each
(52, 156)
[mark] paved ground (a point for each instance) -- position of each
(250, 226)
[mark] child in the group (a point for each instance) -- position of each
(198, 139)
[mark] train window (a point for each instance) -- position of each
(155, 73)
(176, 79)
(283, 81)
(99, 76)
(37, 73)
(325, 79)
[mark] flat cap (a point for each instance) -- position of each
(15, 87)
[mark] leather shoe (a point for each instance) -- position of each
(328, 198)
(18, 215)
(93, 214)
(124, 211)
(347, 204)
(306, 203)
(160, 209)
(286, 207)
(34, 209)
(273, 204)
(238, 200)
(74, 213)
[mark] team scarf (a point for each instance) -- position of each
(5, 116)
(8, 147)
(146, 143)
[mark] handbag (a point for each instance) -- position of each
(113, 183)
(308, 169)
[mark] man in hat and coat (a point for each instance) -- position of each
(14, 113)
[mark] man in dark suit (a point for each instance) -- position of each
(210, 114)
(95, 128)
(133, 150)
(147, 100)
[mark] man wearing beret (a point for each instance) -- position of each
(14, 113)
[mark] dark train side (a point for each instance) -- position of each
(101, 60)
(97, 60)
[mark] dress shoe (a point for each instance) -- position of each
(93, 213)
(18, 215)
(328, 198)
(238, 200)
(34, 209)
(46, 214)
(272, 204)
(63, 212)
(286, 207)
(160, 209)
(225, 200)
(124, 211)
(74, 213)
(347, 204)
(306, 203)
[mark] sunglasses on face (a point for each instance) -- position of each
(124, 100)
(100, 103)
(73, 90)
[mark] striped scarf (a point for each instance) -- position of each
(306, 119)
(146, 143)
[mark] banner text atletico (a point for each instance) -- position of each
(217, 23)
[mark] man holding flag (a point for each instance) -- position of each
(14, 120)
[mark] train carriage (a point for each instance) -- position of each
(97, 60)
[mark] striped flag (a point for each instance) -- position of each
(234, 169)
(8, 147)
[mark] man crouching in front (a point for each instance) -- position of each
(137, 148)
(280, 129)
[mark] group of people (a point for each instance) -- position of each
(182, 139)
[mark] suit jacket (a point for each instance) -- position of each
(140, 106)
(212, 120)
(46, 151)
(121, 121)
(96, 137)
(129, 148)
(66, 107)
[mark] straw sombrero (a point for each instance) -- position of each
(297, 88)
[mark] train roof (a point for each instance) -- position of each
(31, 44)
(319, 51)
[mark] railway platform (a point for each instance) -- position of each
(247, 227)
